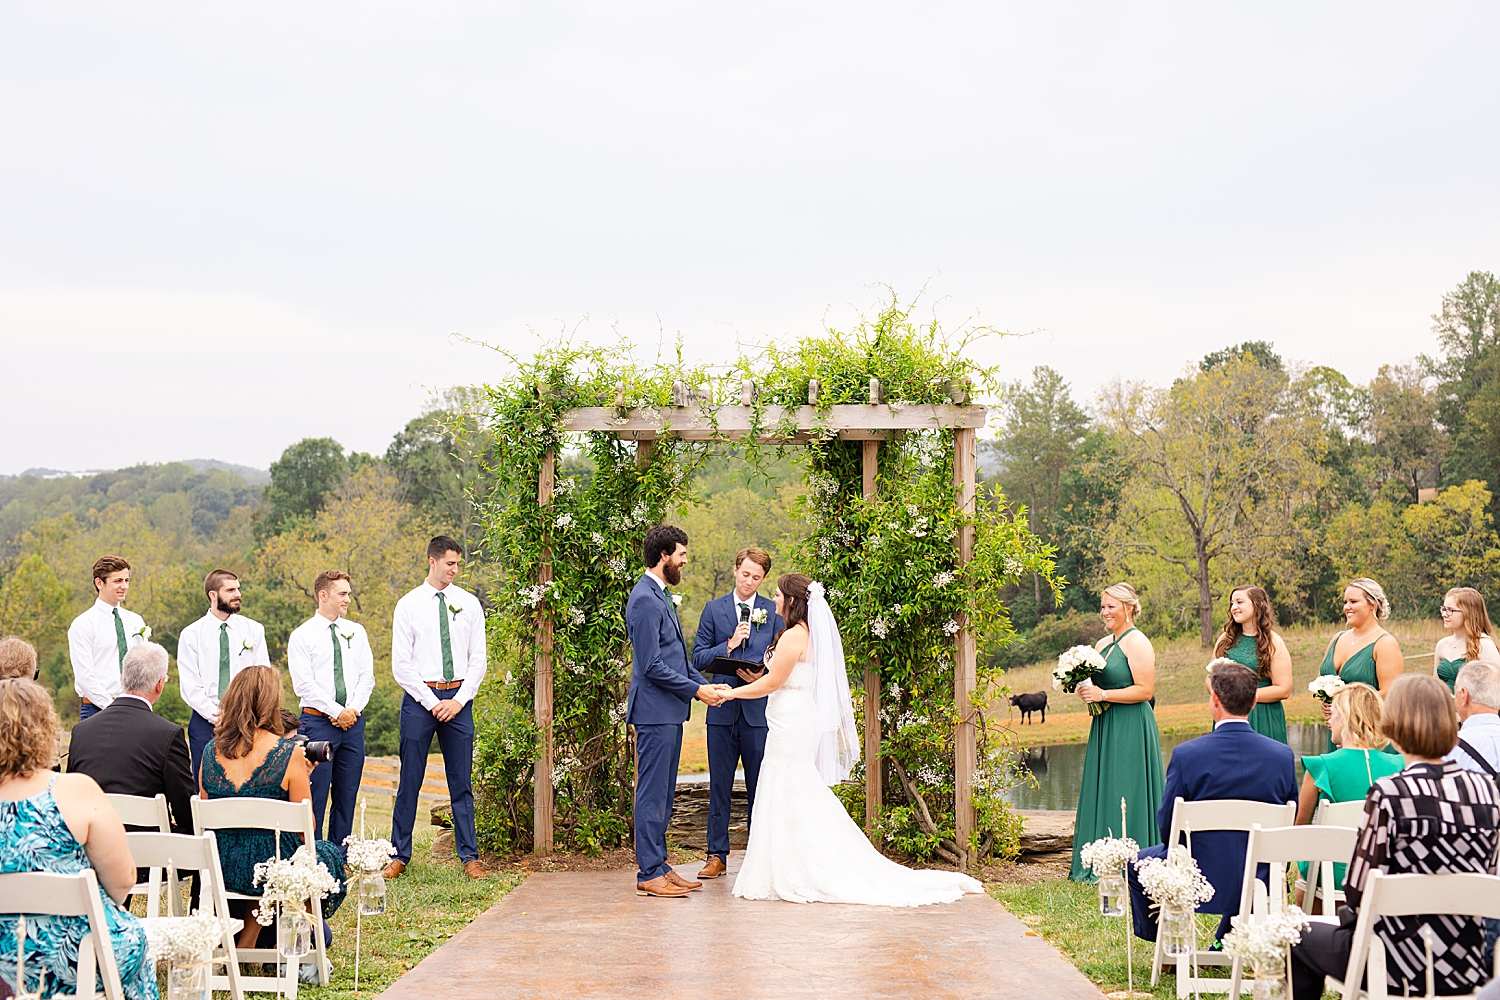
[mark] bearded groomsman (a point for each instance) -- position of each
(438, 658)
(99, 638)
(211, 651)
(333, 672)
(738, 626)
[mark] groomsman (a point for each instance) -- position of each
(333, 672)
(99, 638)
(438, 658)
(211, 651)
(739, 625)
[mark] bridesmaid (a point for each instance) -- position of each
(1469, 637)
(1124, 752)
(1250, 637)
(1365, 653)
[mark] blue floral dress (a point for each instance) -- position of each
(35, 838)
(241, 850)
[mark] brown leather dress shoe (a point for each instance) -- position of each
(681, 882)
(474, 869)
(662, 887)
(714, 868)
(394, 869)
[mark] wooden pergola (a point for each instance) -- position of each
(871, 424)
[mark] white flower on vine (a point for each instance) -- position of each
(564, 521)
(575, 616)
(617, 713)
(576, 668)
(942, 579)
(912, 510)
(910, 563)
(616, 565)
(565, 486)
(929, 776)
(950, 627)
(897, 610)
(834, 594)
(639, 513)
(597, 539)
(1013, 566)
(894, 690)
(879, 627)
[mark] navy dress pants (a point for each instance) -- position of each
(342, 774)
(727, 746)
(200, 731)
(86, 711)
(1141, 905)
(658, 749)
(456, 740)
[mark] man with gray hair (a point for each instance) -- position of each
(1476, 695)
(128, 749)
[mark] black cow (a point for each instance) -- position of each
(1029, 703)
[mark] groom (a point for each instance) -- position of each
(662, 689)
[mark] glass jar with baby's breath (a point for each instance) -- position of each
(1112, 895)
(188, 981)
(1176, 931)
(1270, 980)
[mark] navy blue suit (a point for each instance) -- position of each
(1232, 762)
(736, 729)
(662, 688)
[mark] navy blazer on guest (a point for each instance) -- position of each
(720, 618)
(662, 683)
(1232, 762)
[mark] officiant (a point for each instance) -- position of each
(733, 633)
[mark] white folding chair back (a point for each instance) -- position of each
(270, 815)
(138, 810)
(1278, 848)
(1349, 814)
(1206, 816)
(175, 852)
(51, 894)
(1319, 889)
(1461, 894)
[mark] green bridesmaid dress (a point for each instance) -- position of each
(1447, 670)
(1358, 669)
(1123, 761)
(1266, 718)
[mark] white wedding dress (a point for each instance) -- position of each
(803, 846)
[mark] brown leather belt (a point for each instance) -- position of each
(314, 711)
(445, 685)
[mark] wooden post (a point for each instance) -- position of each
(643, 452)
(965, 654)
(541, 802)
(873, 763)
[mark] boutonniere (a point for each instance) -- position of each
(758, 616)
(246, 646)
(348, 638)
(454, 609)
(677, 600)
(144, 633)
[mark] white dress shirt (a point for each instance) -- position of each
(198, 658)
(416, 643)
(309, 657)
(93, 648)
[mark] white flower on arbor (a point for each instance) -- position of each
(564, 521)
(942, 579)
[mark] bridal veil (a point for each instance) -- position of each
(833, 710)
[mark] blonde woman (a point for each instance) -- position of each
(1469, 637)
(1365, 653)
(1124, 752)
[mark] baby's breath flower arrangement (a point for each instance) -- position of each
(291, 882)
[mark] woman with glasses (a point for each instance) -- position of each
(1469, 637)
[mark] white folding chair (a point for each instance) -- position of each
(1463, 894)
(1212, 815)
(50, 894)
(138, 810)
(1320, 880)
(175, 852)
(269, 815)
(1278, 848)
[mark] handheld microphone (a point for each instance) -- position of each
(744, 613)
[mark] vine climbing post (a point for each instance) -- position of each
(871, 462)
(965, 653)
(541, 820)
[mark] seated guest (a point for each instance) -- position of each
(249, 756)
(1433, 817)
(1232, 762)
(1476, 695)
(1347, 774)
(17, 658)
(128, 749)
(60, 823)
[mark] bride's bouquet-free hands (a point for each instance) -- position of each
(1076, 666)
(726, 691)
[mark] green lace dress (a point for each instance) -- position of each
(1358, 669)
(1447, 670)
(1345, 775)
(1266, 718)
(1123, 760)
(241, 850)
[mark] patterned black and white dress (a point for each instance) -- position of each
(1428, 819)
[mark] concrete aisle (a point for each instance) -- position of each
(579, 935)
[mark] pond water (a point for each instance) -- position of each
(1058, 770)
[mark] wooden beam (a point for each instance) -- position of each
(541, 785)
(874, 766)
(965, 654)
(777, 422)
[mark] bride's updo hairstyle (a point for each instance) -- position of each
(793, 587)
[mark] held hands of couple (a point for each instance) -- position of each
(714, 695)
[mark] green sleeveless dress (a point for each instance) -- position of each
(1123, 761)
(1266, 718)
(1358, 669)
(1447, 670)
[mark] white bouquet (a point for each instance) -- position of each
(367, 857)
(1264, 940)
(1174, 883)
(183, 940)
(1108, 855)
(1075, 666)
(1325, 686)
(292, 882)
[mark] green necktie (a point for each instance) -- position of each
(443, 631)
(223, 657)
(120, 636)
(339, 694)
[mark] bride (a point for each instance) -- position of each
(803, 846)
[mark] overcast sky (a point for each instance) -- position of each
(224, 227)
